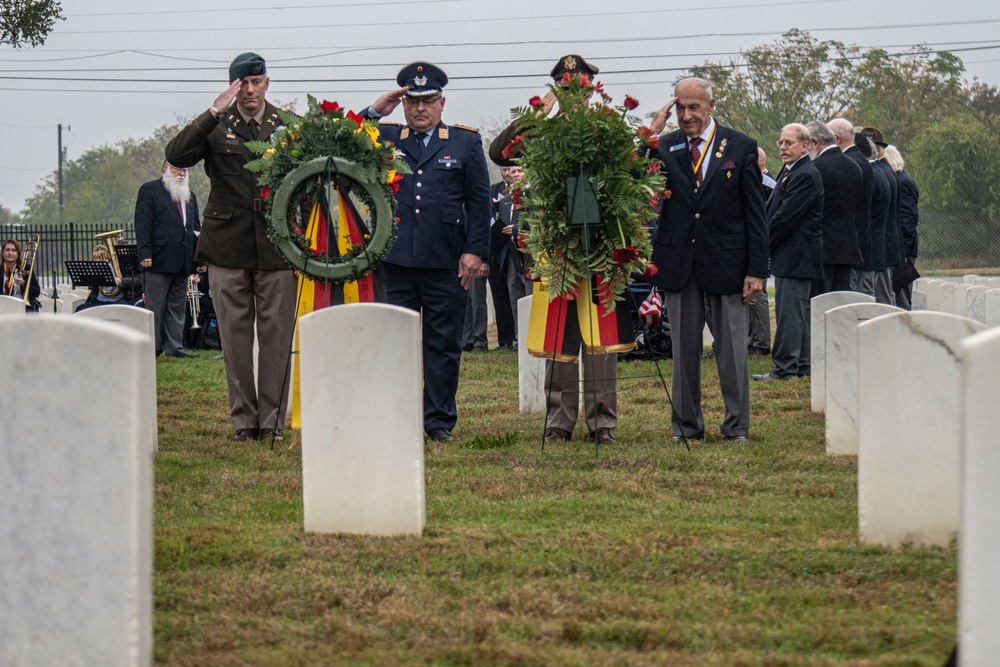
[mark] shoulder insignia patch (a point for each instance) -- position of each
(468, 129)
(443, 132)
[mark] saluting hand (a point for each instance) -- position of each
(548, 102)
(386, 104)
(223, 101)
(661, 116)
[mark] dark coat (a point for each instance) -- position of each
(893, 248)
(794, 221)
(863, 205)
(502, 244)
(161, 234)
(908, 200)
(881, 202)
(842, 188)
(234, 230)
(444, 205)
(718, 235)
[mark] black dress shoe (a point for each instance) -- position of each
(467, 348)
(244, 434)
(769, 376)
(440, 435)
(181, 354)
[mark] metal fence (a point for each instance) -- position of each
(58, 243)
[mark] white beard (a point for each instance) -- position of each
(178, 189)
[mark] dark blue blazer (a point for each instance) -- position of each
(893, 248)
(444, 205)
(863, 204)
(908, 199)
(795, 222)
(881, 202)
(160, 232)
(842, 188)
(719, 234)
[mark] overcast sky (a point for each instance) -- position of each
(118, 69)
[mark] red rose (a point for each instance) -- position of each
(517, 195)
(630, 102)
(535, 101)
(355, 117)
(650, 271)
(513, 149)
(330, 107)
(625, 255)
(265, 193)
(522, 242)
(395, 184)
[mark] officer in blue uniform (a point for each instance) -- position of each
(442, 237)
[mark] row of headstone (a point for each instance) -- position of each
(975, 297)
(912, 394)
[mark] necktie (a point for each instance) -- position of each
(180, 209)
(421, 137)
(695, 157)
(254, 128)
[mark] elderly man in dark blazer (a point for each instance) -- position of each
(893, 247)
(881, 201)
(711, 245)
(795, 224)
(844, 131)
(253, 289)
(166, 226)
(842, 188)
(443, 234)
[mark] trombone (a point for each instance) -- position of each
(27, 267)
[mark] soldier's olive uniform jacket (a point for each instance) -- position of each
(233, 227)
(444, 205)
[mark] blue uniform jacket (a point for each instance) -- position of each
(444, 205)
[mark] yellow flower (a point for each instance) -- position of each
(390, 176)
(269, 152)
(372, 133)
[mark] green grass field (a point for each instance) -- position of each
(641, 554)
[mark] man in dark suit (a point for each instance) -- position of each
(711, 244)
(795, 224)
(252, 286)
(506, 326)
(507, 279)
(909, 198)
(879, 212)
(842, 188)
(442, 237)
(166, 225)
(844, 131)
(893, 249)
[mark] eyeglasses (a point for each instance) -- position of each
(786, 142)
(417, 101)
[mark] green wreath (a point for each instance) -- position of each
(327, 145)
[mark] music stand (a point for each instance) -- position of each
(91, 274)
(128, 259)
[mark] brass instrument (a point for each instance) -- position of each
(28, 266)
(194, 301)
(111, 239)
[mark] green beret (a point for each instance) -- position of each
(246, 64)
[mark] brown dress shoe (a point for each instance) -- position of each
(554, 433)
(244, 434)
(267, 433)
(603, 436)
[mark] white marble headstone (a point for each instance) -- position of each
(975, 303)
(818, 306)
(992, 307)
(970, 278)
(947, 303)
(76, 496)
(908, 456)
(530, 370)
(141, 321)
(933, 290)
(994, 282)
(985, 282)
(979, 541)
(918, 300)
(362, 420)
(842, 373)
(10, 305)
(961, 306)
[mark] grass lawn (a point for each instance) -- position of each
(641, 554)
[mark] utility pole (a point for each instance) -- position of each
(62, 157)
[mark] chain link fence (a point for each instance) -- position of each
(958, 241)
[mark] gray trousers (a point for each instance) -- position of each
(883, 287)
(863, 281)
(474, 330)
(759, 338)
(241, 298)
(791, 335)
(686, 313)
(166, 296)
(600, 396)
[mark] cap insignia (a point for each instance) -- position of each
(569, 62)
(420, 80)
